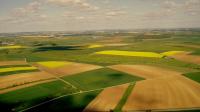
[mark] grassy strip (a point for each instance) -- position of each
(10, 66)
(100, 78)
(24, 98)
(123, 100)
(194, 76)
(18, 72)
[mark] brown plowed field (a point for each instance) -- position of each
(187, 58)
(20, 79)
(70, 69)
(171, 92)
(144, 71)
(107, 100)
(3, 63)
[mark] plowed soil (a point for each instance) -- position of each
(144, 71)
(187, 58)
(107, 100)
(171, 92)
(3, 63)
(70, 69)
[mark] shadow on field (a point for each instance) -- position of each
(115, 75)
(16, 106)
(74, 103)
(51, 48)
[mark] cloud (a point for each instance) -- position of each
(188, 7)
(115, 13)
(192, 7)
(82, 4)
(170, 8)
(30, 9)
(28, 13)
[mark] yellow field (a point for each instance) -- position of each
(95, 46)
(170, 53)
(131, 53)
(11, 47)
(16, 69)
(53, 64)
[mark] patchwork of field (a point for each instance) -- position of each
(101, 72)
(18, 80)
(37, 81)
(16, 69)
(18, 74)
(24, 98)
(164, 91)
(100, 78)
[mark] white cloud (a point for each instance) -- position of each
(82, 4)
(192, 7)
(31, 8)
(28, 13)
(115, 13)
(80, 18)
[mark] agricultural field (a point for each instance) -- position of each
(101, 71)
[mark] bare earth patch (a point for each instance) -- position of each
(3, 63)
(70, 69)
(144, 71)
(24, 78)
(107, 100)
(187, 57)
(171, 92)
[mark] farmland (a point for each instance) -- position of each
(101, 71)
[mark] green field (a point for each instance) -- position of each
(24, 98)
(72, 103)
(194, 76)
(100, 78)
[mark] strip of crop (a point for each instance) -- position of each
(9, 66)
(18, 72)
(123, 100)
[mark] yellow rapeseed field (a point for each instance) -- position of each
(95, 46)
(170, 53)
(53, 64)
(131, 53)
(16, 69)
(12, 47)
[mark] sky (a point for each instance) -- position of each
(81, 15)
